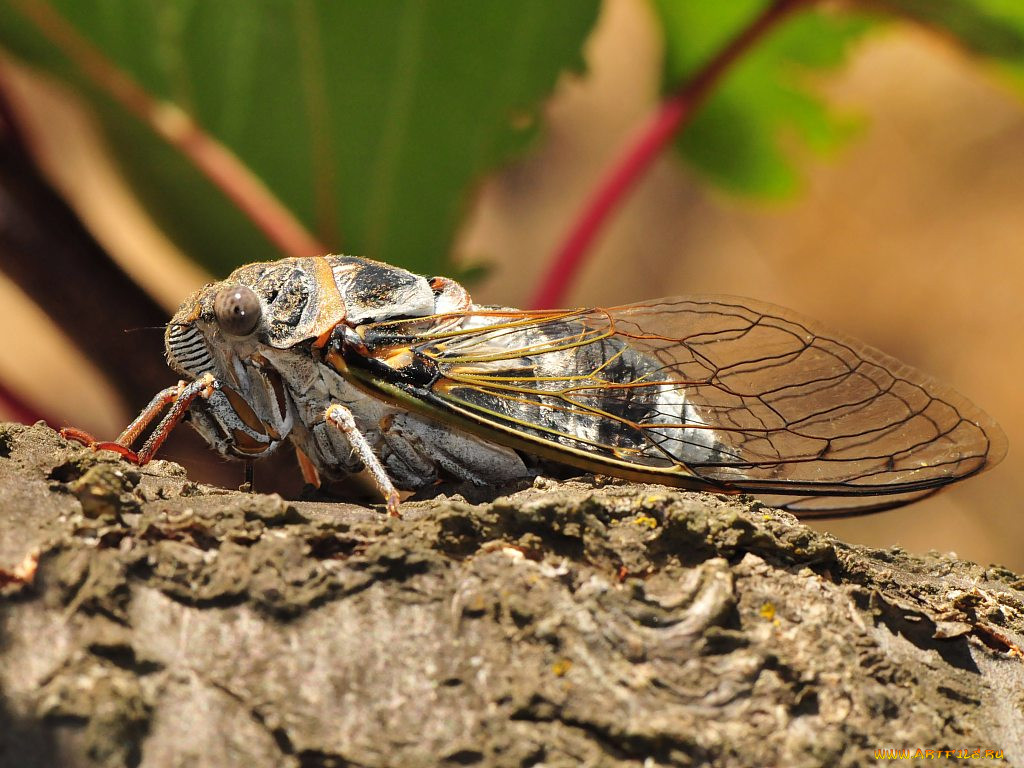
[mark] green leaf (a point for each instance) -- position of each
(371, 121)
(744, 136)
(993, 28)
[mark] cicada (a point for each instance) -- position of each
(358, 364)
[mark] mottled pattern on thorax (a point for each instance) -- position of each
(416, 451)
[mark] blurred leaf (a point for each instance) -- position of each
(993, 28)
(370, 120)
(766, 104)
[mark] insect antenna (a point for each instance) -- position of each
(160, 328)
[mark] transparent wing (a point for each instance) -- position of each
(692, 391)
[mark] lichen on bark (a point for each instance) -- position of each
(147, 620)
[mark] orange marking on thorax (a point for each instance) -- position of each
(330, 305)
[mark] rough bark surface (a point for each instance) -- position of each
(146, 620)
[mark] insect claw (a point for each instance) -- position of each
(77, 435)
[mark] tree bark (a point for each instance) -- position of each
(147, 620)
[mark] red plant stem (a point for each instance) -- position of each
(641, 149)
(178, 128)
(18, 409)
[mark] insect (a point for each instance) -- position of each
(359, 364)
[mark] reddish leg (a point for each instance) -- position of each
(83, 437)
(203, 387)
(309, 470)
(161, 400)
(179, 398)
(131, 433)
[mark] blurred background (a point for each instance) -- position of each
(859, 164)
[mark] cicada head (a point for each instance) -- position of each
(225, 329)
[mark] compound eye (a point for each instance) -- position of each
(238, 310)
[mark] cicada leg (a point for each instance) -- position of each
(122, 444)
(179, 397)
(309, 471)
(86, 439)
(161, 400)
(341, 418)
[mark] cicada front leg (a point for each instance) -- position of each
(122, 444)
(179, 397)
(340, 417)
